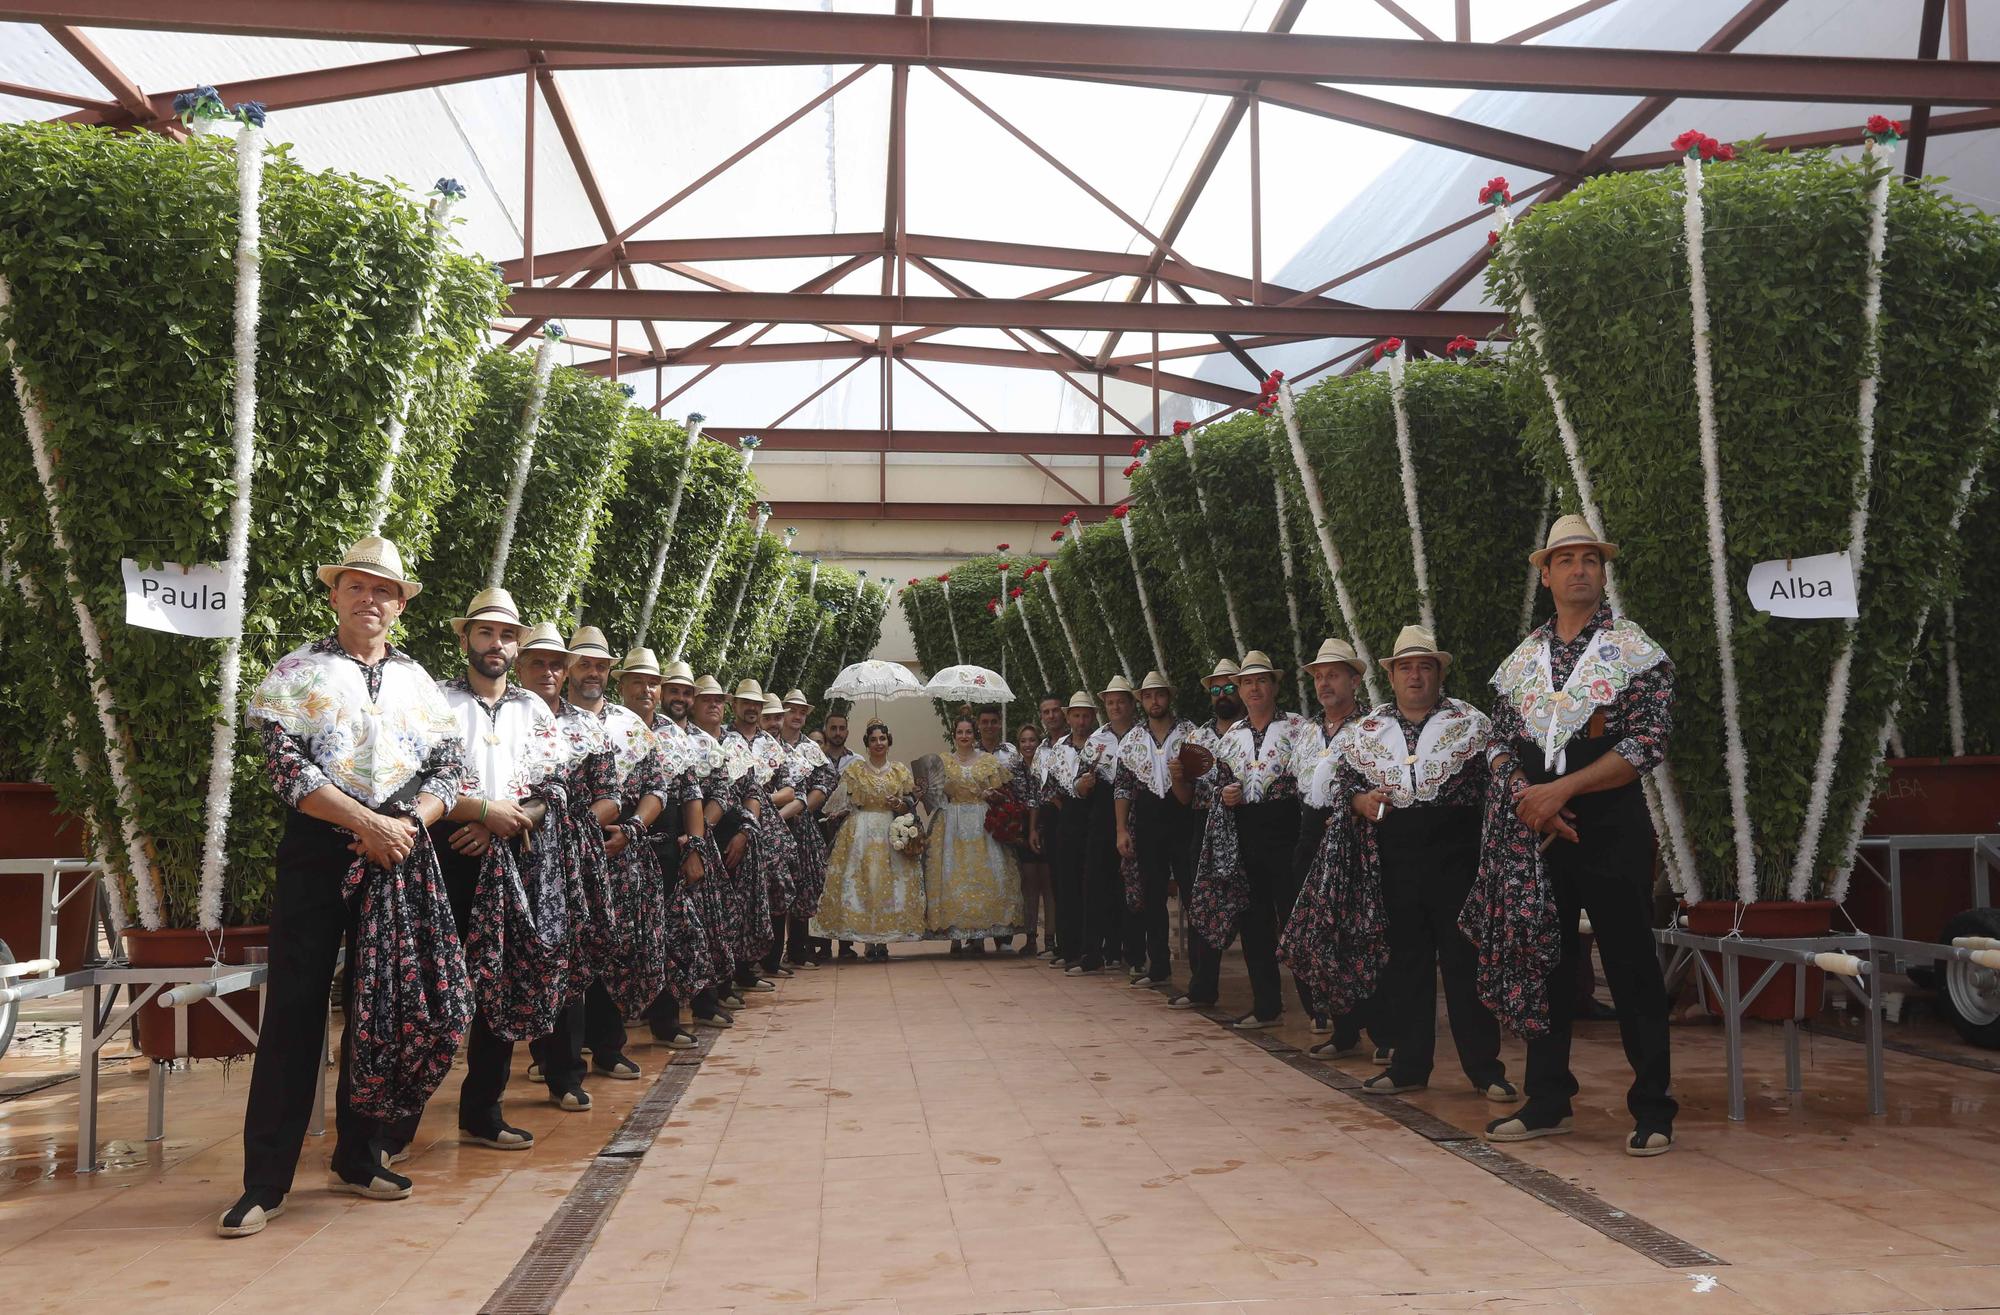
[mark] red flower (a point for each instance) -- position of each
(992, 605)
(1725, 152)
(1043, 566)
(1495, 192)
(1005, 546)
(1056, 537)
(913, 580)
(1006, 567)
(1133, 469)
(1277, 376)
(1882, 125)
(1138, 446)
(1386, 346)
(1492, 237)
(944, 577)
(1121, 509)
(1016, 592)
(1069, 518)
(1182, 426)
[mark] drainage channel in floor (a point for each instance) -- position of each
(1654, 1243)
(544, 1271)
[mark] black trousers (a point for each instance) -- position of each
(310, 923)
(1163, 833)
(1048, 820)
(488, 1059)
(1073, 903)
(1265, 835)
(1104, 879)
(1429, 859)
(1312, 829)
(591, 1019)
(1609, 876)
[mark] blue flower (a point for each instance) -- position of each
(204, 100)
(862, 574)
(627, 389)
(791, 531)
(763, 509)
(448, 187)
(696, 417)
(750, 442)
(554, 332)
(251, 112)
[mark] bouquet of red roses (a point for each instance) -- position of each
(1007, 821)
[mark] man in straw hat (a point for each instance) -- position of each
(1412, 774)
(353, 815)
(1586, 705)
(1155, 824)
(1244, 869)
(591, 775)
(518, 955)
(1104, 881)
(1063, 773)
(775, 767)
(724, 844)
(1336, 674)
(1225, 708)
(754, 757)
(813, 779)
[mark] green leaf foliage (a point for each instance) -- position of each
(1972, 631)
(657, 458)
(1786, 270)
(119, 250)
(1480, 504)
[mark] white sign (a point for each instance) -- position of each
(1804, 586)
(183, 600)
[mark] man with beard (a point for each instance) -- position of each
(731, 825)
(511, 745)
(992, 726)
(1204, 960)
(1067, 770)
(752, 757)
(319, 711)
(590, 773)
(1336, 674)
(1413, 775)
(774, 761)
(812, 779)
(1104, 883)
(1042, 823)
(1154, 821)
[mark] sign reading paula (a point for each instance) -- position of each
(182, 600)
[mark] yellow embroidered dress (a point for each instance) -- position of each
(873, 894)
(974, 884)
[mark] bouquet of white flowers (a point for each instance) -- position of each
(906, 837)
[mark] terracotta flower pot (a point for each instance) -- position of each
(32, 826)
(1762, 920)
(209, 1034)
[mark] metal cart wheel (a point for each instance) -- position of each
(1969, 994)
(10, 1011)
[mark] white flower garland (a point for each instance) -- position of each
(586, 529)
(1291, 594)
(1857, 526)
(742, 585)
(1844, 873)
(236, 562)
(1186, 577)
(1734, 761)
(1534, 572)
(812, 642)
(1662, 798)
(1034, 646)
(517, 488)
(667, 537)
(138, 846)
(1316, 505)
(785, 622)
(1409, 469)
(957, 651)
(1145, 602)
(1954, 705)
(439, 213)
(708, 570)
(860, 589)
(1097, 597)
(1221, 577)
(1076, 654)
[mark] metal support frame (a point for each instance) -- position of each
(1984, 851)
(1878, 956)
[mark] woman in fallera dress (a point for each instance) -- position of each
(874, 895)
(975, 883)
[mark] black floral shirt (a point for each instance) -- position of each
(1640, 719)
(288, 760)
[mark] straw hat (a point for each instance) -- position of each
(1082, 700)
(494, 604)
(589, 641)
(1334, 651)
(708, 687)
(677, 673)
(1257, 663)
(376, 556)
(797, 699)
(772, 707)
(1156, 680)
(1571, 532)
(638, 662)
(545, 638)
(1118, 685)
(749, 691)
(1415, 641)
(1225, 669)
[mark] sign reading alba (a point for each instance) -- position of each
(1819, 586)
(182, 600)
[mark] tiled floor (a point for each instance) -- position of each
(941, 1135)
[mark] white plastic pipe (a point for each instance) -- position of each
(27, 968)
(1974, 943)
(1844, 965)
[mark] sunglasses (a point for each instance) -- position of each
(1215, 691)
